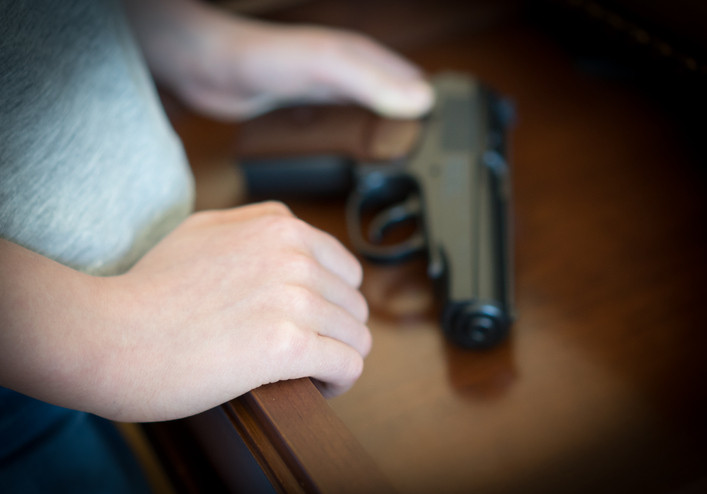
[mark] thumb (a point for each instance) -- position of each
(372, 75)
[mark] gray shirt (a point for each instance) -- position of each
(91, 173)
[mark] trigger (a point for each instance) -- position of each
(388, 218)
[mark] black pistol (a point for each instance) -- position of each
(453, 187)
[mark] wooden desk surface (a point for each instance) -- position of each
(601, 387)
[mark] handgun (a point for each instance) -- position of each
(449, 194)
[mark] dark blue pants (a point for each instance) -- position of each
(48, 449)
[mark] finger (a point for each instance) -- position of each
(341, 326)
(305, 272)
(343, 295)
(315, 313)
(338, 368)
(387, 95)
(333, 256)
(289, 231)
(367, 48)
(331, 390)
(379, 79)
(295, 351)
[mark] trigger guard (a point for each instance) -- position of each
(377, 190)
(387, 219)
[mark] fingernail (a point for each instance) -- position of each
(409, 101)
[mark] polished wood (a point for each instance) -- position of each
(600, 387)
(300, 442)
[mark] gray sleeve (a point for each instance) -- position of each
(91, 173)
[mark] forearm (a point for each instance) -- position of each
(164, 28)
(112, 346)
(181, 39)
(228, 301)
(47, 314)
(98, 344)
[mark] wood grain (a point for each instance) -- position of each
(300, 443)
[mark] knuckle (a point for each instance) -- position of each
(301, 300)
(276, 207)
(302, 268)
(289, 343)
(289, 339)
(287, 228)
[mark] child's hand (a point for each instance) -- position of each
(229, 301)
(232, 67)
